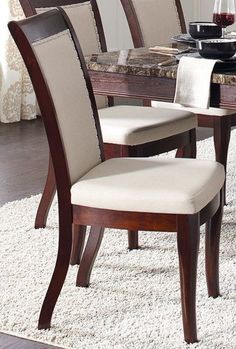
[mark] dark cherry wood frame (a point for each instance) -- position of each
(25, 33)
(221, 124)
(185, 142)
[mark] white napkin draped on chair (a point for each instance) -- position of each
(193, 82)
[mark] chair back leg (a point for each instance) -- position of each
(89, 256)
(46, 199)
(78, 238)
(213, 229)
(221, 135)
(133, 240)
(189, 150)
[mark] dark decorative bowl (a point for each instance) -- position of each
(216, 48)
(204, 30)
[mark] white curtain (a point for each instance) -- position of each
(17, 98)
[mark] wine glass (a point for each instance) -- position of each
(224, 14)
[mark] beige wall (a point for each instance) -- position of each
(188, 7)
(204, 9)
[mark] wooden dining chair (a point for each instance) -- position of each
(127, 130)
(129, 193)
(154, 22)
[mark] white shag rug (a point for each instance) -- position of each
(134, 297)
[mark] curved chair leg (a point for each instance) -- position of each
(89, 256)
(47, 197)
(213, 229)
(79, 232)
(188, 245)
(222, 131)
(189, 150)
(133, 240)
(60, 270)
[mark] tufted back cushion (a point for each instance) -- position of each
(83, 21)
(67, 85)
(158, 20)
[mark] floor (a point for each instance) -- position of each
(24, 159)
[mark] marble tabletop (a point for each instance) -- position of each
(144, 62)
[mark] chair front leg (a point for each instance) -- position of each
(89, 256)
(47, 197)
(188, 232)
(213, 230)
(60, 270)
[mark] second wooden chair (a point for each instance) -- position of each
(155, 22)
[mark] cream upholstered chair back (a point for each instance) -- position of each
(68, 89)
(158, 20)
(83, 20)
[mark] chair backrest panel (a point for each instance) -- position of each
(66, 83)
(82, 18)
(71, 100)
(153, 22)
(85, 18)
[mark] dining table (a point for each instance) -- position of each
(137, 73)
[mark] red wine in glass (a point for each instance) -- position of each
(224, 13)
(223, 19)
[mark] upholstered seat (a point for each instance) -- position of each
(211, 111)
(149, 185)
(132, 125)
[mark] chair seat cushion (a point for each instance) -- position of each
(178, 186)
(132, 125)
(210, 111)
